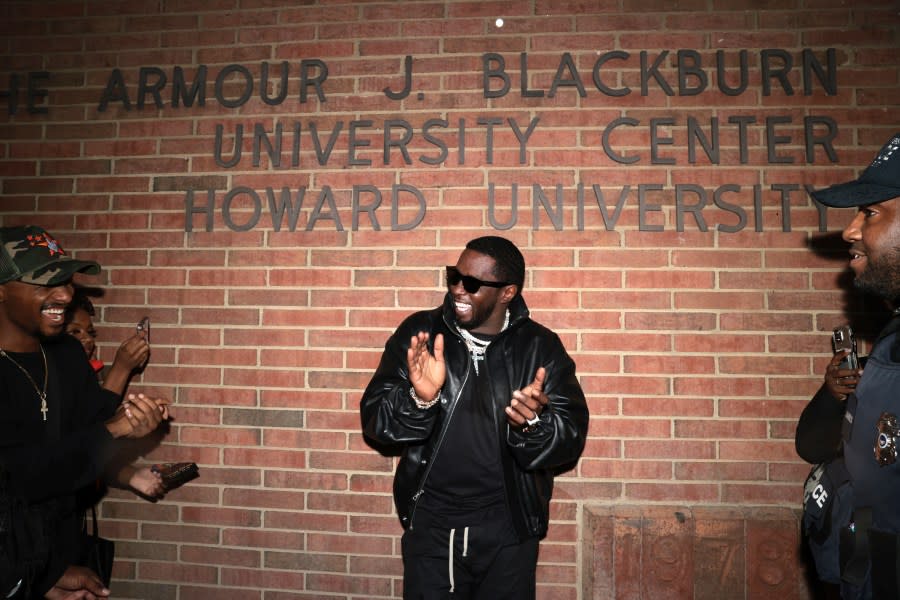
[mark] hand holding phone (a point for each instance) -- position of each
(842, 340)
(842, 374)
(143, 328)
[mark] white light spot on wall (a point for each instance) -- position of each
(498, 22)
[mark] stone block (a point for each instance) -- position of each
(692, 553)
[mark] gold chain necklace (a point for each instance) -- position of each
(41, 394)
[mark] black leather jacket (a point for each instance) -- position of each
(391, 418)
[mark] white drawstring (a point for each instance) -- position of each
(450, 566)
(450, 553)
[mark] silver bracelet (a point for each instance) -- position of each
(423, 404)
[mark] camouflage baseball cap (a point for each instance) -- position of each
(31, 255)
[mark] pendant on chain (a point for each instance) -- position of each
(42, 394)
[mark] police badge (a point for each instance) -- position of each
(886, 440)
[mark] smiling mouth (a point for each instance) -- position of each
(462, 308)
(55, 314)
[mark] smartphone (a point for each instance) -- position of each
(841, 340)
(143, 328)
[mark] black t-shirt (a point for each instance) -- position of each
(49, 461)
(466, 480)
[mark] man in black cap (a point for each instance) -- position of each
(485, 406)
(855, 413)
(58, 428)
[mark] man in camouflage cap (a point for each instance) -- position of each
(58, 429)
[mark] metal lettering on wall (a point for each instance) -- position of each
(307, 145)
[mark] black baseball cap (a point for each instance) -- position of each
(31, 255)
(879, 182)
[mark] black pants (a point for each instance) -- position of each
(486, 563)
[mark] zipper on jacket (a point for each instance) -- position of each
(437, 447)
(501, 443)
(421, 487)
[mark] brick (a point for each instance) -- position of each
(680, 406)
(359, 503)
(125, 550)
(670, 321)
(762, 409)
(347, 544)
(304, 399)
(218, 356)
(801, 300)
(669, 449)
(307, 480)
(769, 493)
(694, 299)
(606, 469)
(138, 589)
(220, 556)
(757, 321)
(280, 438)
(782, 281)
(241, 316)
(200, 591)
(656, 279)
(367, 483)
(180, 533)
(221, 437)
(764, 365)
(221, 516)
(779, 451)
(305, 562)
(259, 578)
(247, 457)
(626, 385)
(247, 538)
(120, 258)
(719, 471)
(362, 462)
(365, 586)
(670, 365)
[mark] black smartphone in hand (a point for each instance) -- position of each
(842, 339)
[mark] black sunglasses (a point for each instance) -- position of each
(470, 284)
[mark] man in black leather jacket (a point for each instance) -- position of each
(486, 407)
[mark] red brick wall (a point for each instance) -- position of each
(697, 346)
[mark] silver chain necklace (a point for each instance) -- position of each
(42, 394)
(477, 347)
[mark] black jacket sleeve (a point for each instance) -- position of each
(389, 414)
(818, 435)
(560, 436)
